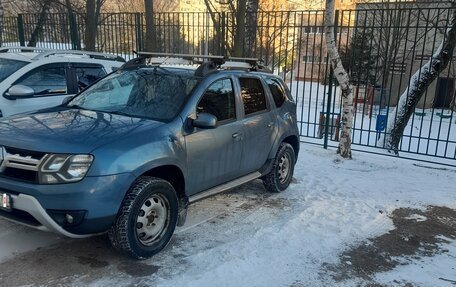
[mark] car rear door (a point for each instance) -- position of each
(259, 123)
(214, 155)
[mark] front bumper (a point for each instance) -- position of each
(43, 222)
(99, 198)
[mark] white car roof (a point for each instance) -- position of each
(27, 57)
(36, 54)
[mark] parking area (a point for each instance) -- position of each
(371, 221)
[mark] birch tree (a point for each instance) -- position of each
(419, 82)
(343, 79)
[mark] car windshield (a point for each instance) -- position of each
(153, 93)
(8, 66)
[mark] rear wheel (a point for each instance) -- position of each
(281, 174)
(147, 218)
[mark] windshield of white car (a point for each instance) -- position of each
(157, 94)
(8, 66)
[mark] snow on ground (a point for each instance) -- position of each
(248, 237)
(439, 270)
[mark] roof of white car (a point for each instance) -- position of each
(28, 57)
(30, 54)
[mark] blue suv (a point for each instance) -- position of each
(128, 154)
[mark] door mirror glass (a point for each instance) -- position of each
(205, 121)
(20, 91)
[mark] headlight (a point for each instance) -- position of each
(61, 168)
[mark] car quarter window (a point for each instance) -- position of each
(277, 91)
(219, 100)
(87, 74)
(253, 95)
(46, 80)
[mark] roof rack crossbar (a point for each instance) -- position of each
(95, 55)
(218, 62)
(171, 55)
(192, 56)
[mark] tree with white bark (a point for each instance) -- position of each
(398, 118)
(343, 79)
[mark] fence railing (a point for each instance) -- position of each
(380, 47)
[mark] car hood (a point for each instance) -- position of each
(68, 130)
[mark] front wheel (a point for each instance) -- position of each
(147, 218)
(281, 174)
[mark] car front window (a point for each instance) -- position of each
(8, 66)
(154, 93)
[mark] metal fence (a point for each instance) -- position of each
(380, 47)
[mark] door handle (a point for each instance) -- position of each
(237, 136)
(271, 125)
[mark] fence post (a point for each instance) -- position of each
(20, 29)
(330, 89)
(75, 43)
(139, 32)
(328, 106)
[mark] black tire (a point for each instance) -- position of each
(274, 181)
(125, 234)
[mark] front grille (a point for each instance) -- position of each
(20, 164)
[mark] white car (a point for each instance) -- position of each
(38, 78)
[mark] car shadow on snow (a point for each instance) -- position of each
(417, 234)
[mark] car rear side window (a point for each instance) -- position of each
(277, 91)
(86, 74)
(253, 95)
(219, 101)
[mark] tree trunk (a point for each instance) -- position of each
(239, 36)
(151, 32)
(90, 34)
(2, 13)
(419, 82)
(40, 24)
(251, 27)
(342, 77)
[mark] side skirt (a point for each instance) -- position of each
(225, 186)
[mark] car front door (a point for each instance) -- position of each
(259, 124)
(50, 85)
(214, 155)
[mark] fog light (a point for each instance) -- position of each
(69, 218)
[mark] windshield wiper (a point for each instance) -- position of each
(120, 113)
(75, 107)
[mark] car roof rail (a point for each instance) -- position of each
(93, 55)
(23, 49)
(208, 63)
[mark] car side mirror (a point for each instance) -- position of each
(66, 100)
(205, 121)
(20, 91)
